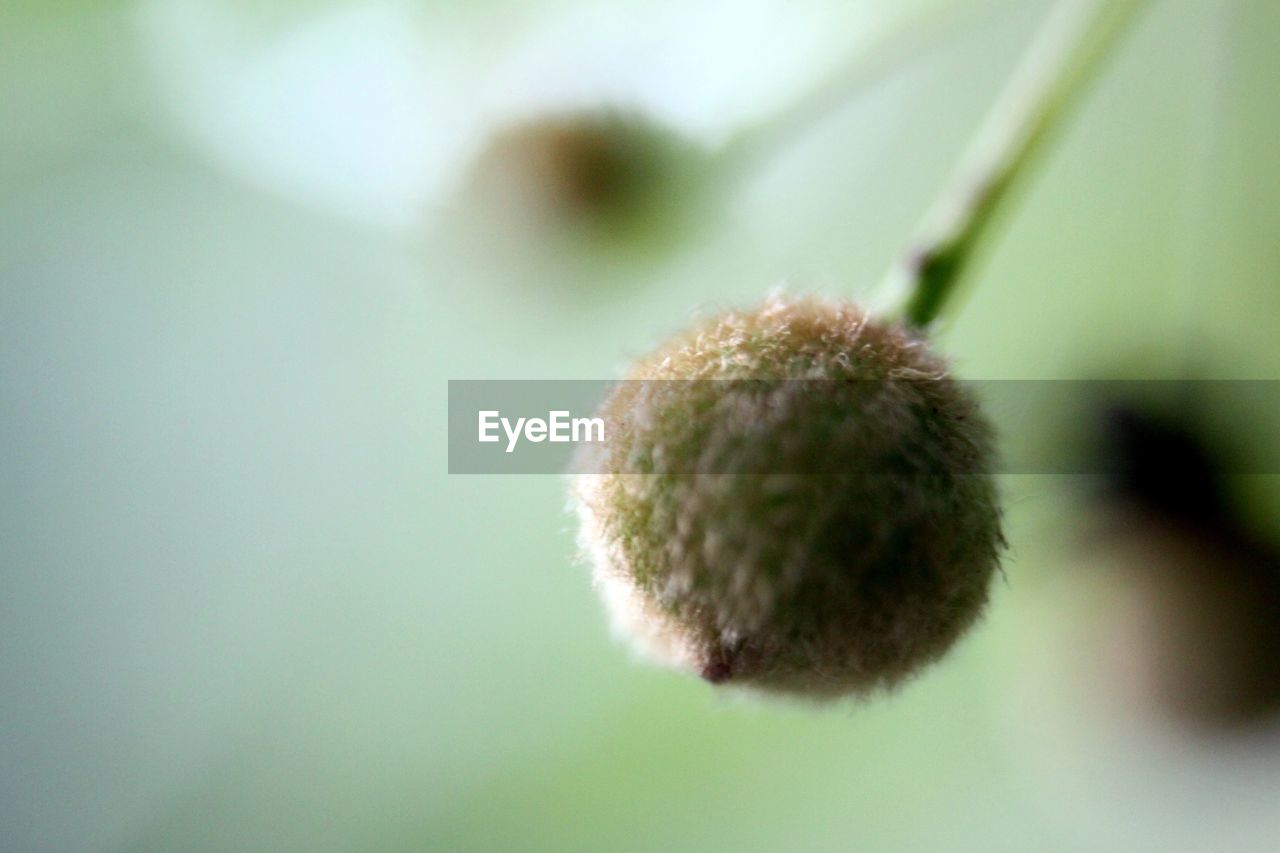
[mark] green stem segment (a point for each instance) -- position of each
(1057, 68)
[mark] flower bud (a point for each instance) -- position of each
(597, 176)
(814, 514)
(1191, 622)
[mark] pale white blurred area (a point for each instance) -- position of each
(704, 69)
(373, 110)
(353, 110)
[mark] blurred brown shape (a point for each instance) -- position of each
(1202, 639)
(601, 174)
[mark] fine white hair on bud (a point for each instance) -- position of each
(815, 515)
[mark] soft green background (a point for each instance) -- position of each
(242, 605)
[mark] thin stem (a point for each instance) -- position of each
(1057, 68)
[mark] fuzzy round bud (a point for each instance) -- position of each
(813, 514)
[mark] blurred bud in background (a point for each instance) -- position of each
(567, 183)
(371, 111)
(1191, 630)
(554, 151)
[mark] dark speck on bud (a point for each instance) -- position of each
(717, 673)
(861, 551)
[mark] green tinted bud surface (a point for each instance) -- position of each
(788, 579)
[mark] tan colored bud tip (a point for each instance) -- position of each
(819, 584)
